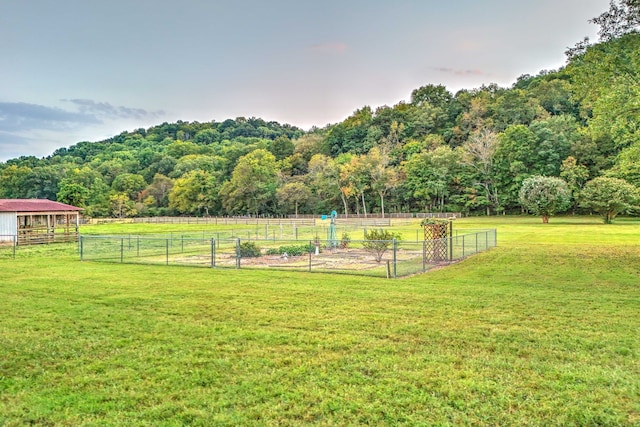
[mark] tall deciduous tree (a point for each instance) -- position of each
(478, 154)
(383, 176)
(575, 175)
(622, 17)
(121, 206)
(253, 184)
(293, 193)
(130, 184)
(196, 192)
(159, 189)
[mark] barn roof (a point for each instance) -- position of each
(34, 205)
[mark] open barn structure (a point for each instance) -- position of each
(33, 221)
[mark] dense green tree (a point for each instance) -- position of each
(627, 165)
(214, 165)
(159, 189)
(434, 95)
(514, 162)
(383, 177)
(545, 196)
(351, 134)
(73, 193)
(311, 144)
(130, 184)
(195, 193)
(121, 206)
(575, 175)
(324, 180)
(253, 184)
(429, 176)
(515, 107)
(12, 181)
(281, 147)
(42, 182)
(609, 197)
(292, 194)
(207, 136)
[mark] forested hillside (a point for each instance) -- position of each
(437, 151)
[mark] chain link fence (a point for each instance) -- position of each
(378, 258)
(8, 244)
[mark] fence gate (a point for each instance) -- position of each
(435, 240)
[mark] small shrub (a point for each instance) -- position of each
(249, 250)
(344, 242)
(293, 250)
(378, 242)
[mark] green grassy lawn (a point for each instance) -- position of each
(542, 330)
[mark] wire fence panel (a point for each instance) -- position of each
(378, 258)
(8, 244)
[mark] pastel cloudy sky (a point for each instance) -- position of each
(76, 70)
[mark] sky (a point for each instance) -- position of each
(78, 70)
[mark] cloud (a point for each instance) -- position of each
(108, 111)
(456, 72)
(32, 129)
(329, 47)
(21, 116)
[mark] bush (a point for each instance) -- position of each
(378, 242)
(545, 196)
(249, 250)
(344, 242)
(293, 250)
(609, 197)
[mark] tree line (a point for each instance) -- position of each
(467, 152)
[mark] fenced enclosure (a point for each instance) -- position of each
(300, 220)
(379, 258)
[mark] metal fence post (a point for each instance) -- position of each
(476, 242)
(238, 253)
(424, 256)
(463, 239)
(81, 249)
(213, 253)
(451, 239)
(167, 250)
(395, 258)
(121, 249)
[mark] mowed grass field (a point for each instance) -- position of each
(542, 330)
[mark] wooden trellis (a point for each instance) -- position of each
(435, 240)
